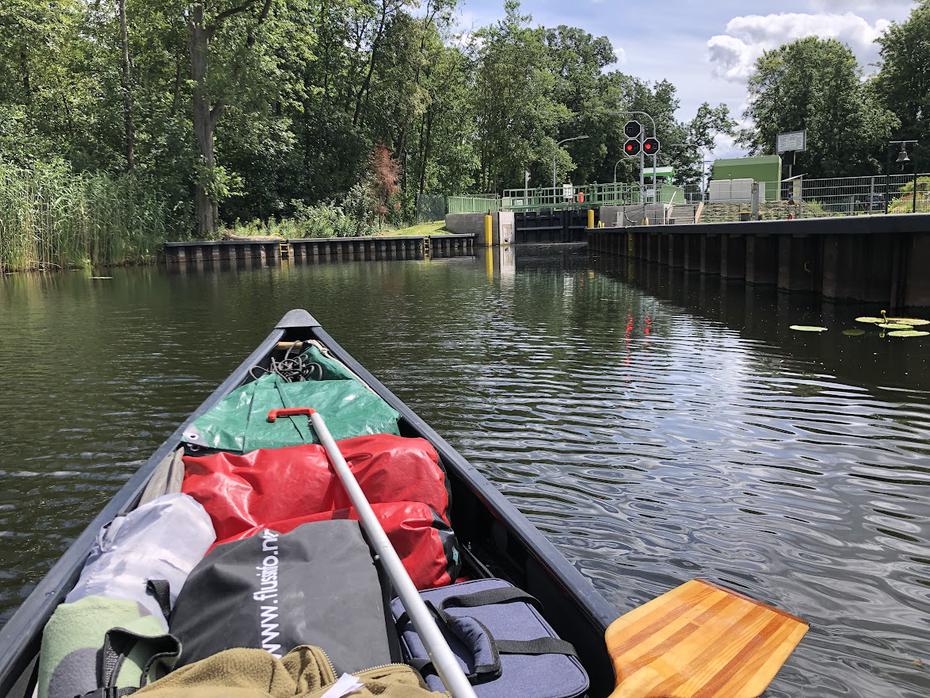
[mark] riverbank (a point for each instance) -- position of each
(53, 218)
(268, 247)
(269, 251)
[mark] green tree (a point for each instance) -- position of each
(816, 84)
(903, 83)
(700, 138)
(578, 62)
(517, 115)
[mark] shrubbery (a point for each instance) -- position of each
(905, 202)
(362, 210)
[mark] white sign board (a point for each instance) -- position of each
(795, 140)
(568, 192)
(730, 190)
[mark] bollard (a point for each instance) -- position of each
(488, 230)
(590, 219)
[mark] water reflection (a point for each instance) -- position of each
(657, 426)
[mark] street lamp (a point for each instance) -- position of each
(564, 140)
(903, 158)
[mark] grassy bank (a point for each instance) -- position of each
(432, 228)
(295, 228)
(52, 218)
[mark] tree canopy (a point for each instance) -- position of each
(816, 84)
(903, 83)
(256, 109)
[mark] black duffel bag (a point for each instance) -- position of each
(317, 585)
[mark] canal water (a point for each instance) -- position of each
(656, 425)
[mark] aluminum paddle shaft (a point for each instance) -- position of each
(439, 651)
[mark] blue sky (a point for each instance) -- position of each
(705, 48)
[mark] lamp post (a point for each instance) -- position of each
(564, 140)
(903, 158)
(615, 170)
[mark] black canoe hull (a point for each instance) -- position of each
(485, 521)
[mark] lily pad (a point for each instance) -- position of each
(870, 320)
(908, 333)
(894, 326)
(911, 321)
(807, 328)
(854, 332)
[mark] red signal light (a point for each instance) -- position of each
(631, 147)
(651, 146)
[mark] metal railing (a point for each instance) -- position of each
(570, 196)
(829, 197)
(473, 203)
(430, 207)
(798, 197)
(582, 196)
(854, 196)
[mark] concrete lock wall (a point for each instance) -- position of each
(621, 216)
(469, 223)
(611, 216)
(503, 226)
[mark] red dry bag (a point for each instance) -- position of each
(282, 488)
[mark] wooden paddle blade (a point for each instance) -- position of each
(700, 640)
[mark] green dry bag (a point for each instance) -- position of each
(239, 422)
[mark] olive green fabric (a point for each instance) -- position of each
(331, 369)
(304, 672)
(74, 635)
(239, 422)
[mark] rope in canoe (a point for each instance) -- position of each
(291, 368)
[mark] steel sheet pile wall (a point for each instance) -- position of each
(875, 259)
(316, 250)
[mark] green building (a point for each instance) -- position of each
(668, 192)
(761, 168)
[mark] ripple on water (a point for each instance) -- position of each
(642, 427)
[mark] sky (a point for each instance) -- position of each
(706, 49)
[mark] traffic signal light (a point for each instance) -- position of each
(651, 146)
(632, 129)
(631, 147)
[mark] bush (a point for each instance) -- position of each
(353, 215)
(905, 202)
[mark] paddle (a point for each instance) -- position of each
(700, 640)
(439, 651)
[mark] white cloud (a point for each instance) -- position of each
(733, 53)
(620, 53)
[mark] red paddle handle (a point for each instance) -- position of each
(289, 412)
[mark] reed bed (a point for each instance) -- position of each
(52, 218)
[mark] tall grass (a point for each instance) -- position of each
(51, 218)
